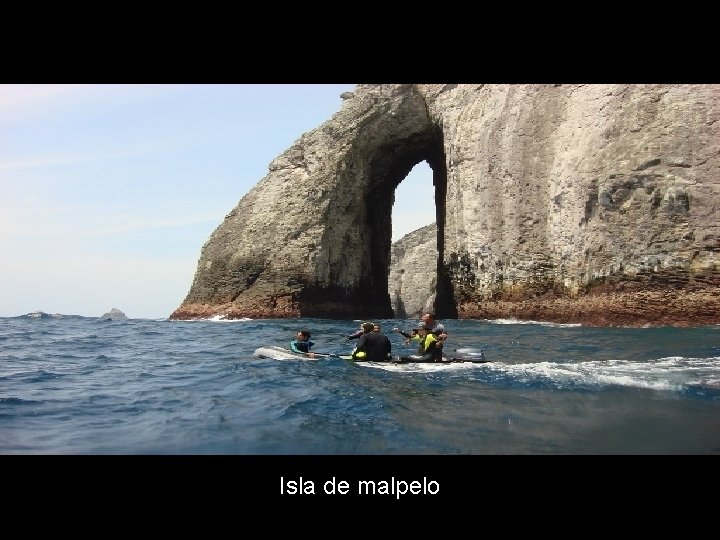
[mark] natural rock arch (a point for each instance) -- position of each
(575, 203)
(313, 237)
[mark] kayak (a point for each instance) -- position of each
(456, 355)
(281, 353)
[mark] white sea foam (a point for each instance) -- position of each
(427, 367)
(217, 318)
(538, 323)
(671, 373)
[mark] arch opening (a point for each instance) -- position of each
(412, 277)
(414, 206)
(328, 252)
(387, 170)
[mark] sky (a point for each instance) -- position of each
(108, 192)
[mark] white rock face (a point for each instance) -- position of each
(574, 203)
(413, 273)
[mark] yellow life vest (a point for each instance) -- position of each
(425, 343)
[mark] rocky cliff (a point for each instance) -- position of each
(575, 203)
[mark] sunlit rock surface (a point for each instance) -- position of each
(413, 273)
(595, 204)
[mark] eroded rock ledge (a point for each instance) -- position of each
(594, 204)
(603, 307)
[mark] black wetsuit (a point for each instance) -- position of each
(438, 329)
(376, 347)
(355, 335)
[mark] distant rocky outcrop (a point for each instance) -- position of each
(114, 315)
(579, 203)
(39, 314)
(413, 273)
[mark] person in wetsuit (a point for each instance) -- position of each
(372, 346)
(428, 350)
(412, 336)
(302, 344)
(435, 327)
(356, 335)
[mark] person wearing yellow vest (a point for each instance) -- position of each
(435, 327)
(428, 350)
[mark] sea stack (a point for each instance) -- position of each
(114, 315)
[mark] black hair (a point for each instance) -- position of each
(305, 333)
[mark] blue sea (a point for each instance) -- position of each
(72, 385)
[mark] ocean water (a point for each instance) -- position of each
(73, 385)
